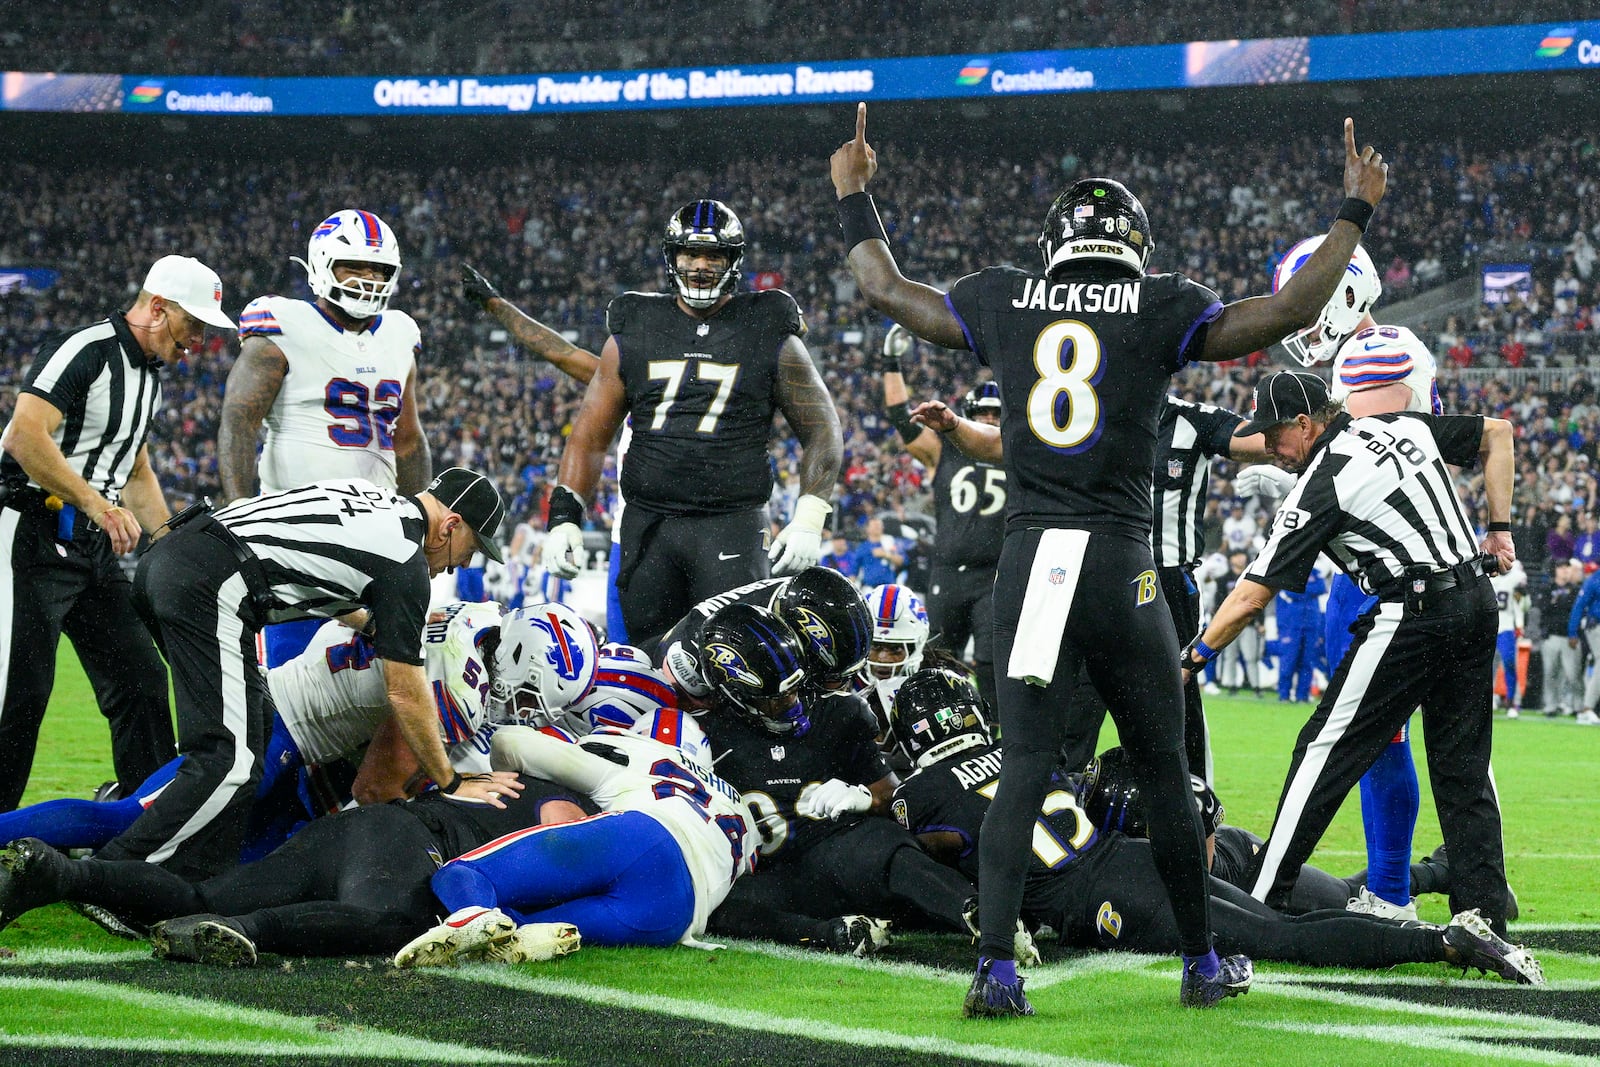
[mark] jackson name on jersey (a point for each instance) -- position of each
(335, 412)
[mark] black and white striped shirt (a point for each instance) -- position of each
(1377, 498)
(333, 546)
(107, 391)
(1189, 436)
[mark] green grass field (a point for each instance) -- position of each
(73, 995)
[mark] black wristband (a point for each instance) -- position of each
(900, 419)
(564, 507)
(1356, 211)
(1499, 527)
(858, 217)
(888, 364)
(452, 785)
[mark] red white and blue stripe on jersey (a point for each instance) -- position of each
(665, 725)
(646, 684)
(1374, 357)
(454, 725)
(258, 319)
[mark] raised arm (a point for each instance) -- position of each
(529, 333)
(919, 308)
(253, 385)
(920, 441)
(1252, 324)
(605, 405)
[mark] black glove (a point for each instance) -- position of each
(476, 288)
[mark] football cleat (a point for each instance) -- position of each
(853, 935)
(211, 939)
(1469, 942)
(1232, 980)
(1587, 717)
(1366, 902)
(990, 998)
(29, 877)
(109, 921)
(107, 792)
(464, 933)
(1023, 948)
(532, 943)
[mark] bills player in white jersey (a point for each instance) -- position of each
(670, 842)
(1511, 591)
(334, 379)
(1376, 369)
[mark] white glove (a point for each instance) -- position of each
(897, 342)
(564, 554)
(800, 544)
(834, 798)
(1263, 479)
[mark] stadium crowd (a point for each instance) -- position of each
(277, 37)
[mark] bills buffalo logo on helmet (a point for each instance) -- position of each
(814, 630)
(727, 659)
(564, 655)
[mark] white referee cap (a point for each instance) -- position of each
(191, 285)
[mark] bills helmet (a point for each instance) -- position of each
(1340, 317)
(753, 662)
(624, 691)
(984, 400)
(545, 662)
(831, 621)
(1113, 800)
(899, 628)
(936, 714)
(352, 236)
(704, 226)
(1096, 219)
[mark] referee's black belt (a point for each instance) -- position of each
(262, 600)
(1461, 576)
(31, 500)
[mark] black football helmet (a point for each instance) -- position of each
(705, 225)
(937, 713)
(753, 663)
(831, 621)
(1114, 801)
(985, 399)
(1096, 219)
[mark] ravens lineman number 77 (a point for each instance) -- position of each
(1083, 352)
(698, 373)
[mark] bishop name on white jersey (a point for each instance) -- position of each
(335, 413)
(332, 697)
(1384, 355)
(634, 771)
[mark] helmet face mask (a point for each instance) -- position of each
(1345, 310)
(545, 661)
(899, 633)
(1096, 219)
(701, 228)
(353, 239)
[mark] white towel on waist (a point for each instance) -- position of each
(1052, 583)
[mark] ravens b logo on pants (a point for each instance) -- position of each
(1145, 588)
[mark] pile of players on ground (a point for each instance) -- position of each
(792, 762)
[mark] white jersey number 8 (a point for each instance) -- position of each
(1073, 381)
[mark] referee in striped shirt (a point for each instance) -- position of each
(76, 491)
(1374, 494)
(323, 550)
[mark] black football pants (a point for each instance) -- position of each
(670, 564)
(961, 606)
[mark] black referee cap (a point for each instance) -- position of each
(1282, 397)
(473, 497)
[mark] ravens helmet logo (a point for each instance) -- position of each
(814, 630)
(727, 659)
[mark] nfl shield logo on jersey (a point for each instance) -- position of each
(1058, 575)
(1174, 468)
(777, 752)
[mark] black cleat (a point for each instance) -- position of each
(990, 998)
(108, 791)
(1232, 980)
(30, 877)
(852, 935)
(209, 939)
(1469, 942)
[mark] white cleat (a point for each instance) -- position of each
(465, 933)
(1366, 902)
(533, 943)
(1470, 943)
